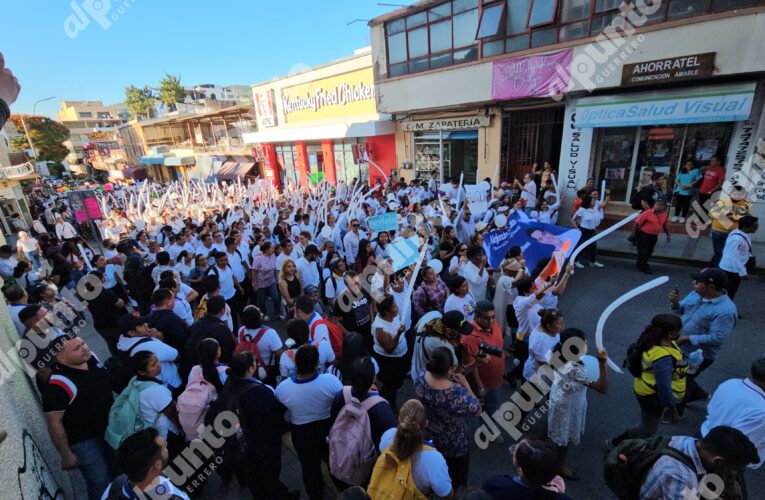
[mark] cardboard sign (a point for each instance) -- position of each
(385, 222)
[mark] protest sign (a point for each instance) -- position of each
(385, 222)
(536, 239)
(404, 252)
(476, 197)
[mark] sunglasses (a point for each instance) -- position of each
(356, 225)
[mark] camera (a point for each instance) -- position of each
(485, 348)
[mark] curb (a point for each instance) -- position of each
(680, 261)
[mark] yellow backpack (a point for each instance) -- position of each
(392, 478)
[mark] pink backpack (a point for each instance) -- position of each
(193, 403)
(352, 454)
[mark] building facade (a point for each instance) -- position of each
(83, 118)
(323, 124)
(597, 88)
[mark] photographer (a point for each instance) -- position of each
(445, 331)
(484, 356)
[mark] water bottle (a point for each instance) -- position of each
(694, 361)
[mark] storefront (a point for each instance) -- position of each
(624, 138)
(323, 124)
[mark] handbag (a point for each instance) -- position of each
(752, 262)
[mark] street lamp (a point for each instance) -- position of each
(23, 123)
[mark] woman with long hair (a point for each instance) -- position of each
(209, 369)
(587, 219)
(458, 262)
(542, 340)
(380, 244)
(407, 442)
(567, 410)
(390, 348)
(447, 246)
(430, 294)
(449, 402)
(184, 265)
(365, 257)
(289, 286)
(354, 347)
(661, 384)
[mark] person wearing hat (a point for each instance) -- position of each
(444, 331)
(313, 292)
(709, 316)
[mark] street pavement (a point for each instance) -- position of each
(589, 292)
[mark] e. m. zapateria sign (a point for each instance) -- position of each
(457, 123)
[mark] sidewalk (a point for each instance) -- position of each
(682, 250)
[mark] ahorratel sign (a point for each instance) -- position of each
(670, 69)
(456, 123)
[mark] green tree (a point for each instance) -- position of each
(171, 90)
(47, 136)
(140, 101)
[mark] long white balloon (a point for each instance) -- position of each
(612, 307)
(600, 235)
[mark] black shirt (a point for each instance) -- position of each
(84, 396)
(506, 487)
(650, 194)
(104, 310)
(355, 315)
(173, 328)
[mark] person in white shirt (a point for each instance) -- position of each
(547, 213)
(542, 341)
(7, 262)
(737, 252)
(460, 298)
(155, 401)
(740, 403)
(528, 192)
(351, 242)
(218, 243)
(30, 248)
(307, 266)
(269, 344)
(429, 469)
(476, 272)
(587, 219)
(64, 230)
(308, 396)
(145, 475)
(390, 348)
(136, 336)
(464, 224)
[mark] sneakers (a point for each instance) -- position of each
(596, 264)
(579, 265)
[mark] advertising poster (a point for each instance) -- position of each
(536, 239)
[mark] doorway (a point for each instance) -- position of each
(528, 137)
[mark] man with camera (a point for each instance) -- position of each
(483, 355)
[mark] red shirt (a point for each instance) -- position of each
(713, 179)
(652, 223)
(491, 373)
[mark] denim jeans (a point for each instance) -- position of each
(94, 457)
(718, 245)
(34, 258)
(271, 292)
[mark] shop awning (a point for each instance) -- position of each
(703, 104)
(152, 160)
(244, 168)
(334, 131)
(177, 161)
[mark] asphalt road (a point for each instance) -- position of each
(590, 291)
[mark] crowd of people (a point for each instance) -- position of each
(190, 298)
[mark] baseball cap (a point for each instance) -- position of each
(311, 289)
(129, 322)
(711, 276)
(455, 320)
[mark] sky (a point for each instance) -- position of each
(236, 42)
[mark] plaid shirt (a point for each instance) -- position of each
(427, 298)
(670, 479)
(264, 267)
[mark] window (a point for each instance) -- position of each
(397, 48)
(572, 10)
(86, 114)
(542, 12)
(679, 9)
(517, 16)
(465, 26)
(543, 37)
(491, 17)
(605, 5)
(441, 36)
(418, 42)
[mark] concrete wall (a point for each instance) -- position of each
(30, 467)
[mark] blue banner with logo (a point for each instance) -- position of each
(384, 222)
(536, 239)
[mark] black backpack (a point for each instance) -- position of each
(235, 448)
(119, 369)
(636, 200)
(627, 465)
(634, 360)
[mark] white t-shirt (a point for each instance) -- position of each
(329, 286)
(235, 263)
(530, 195)
(309, 400)
(429, 470)
(309, 272)
(400, 298)
(465, 305)
(526, 312)
(391, 328)
(165, 354)
(110, 273)
(226, 278)
(454, 262)
(28, 245)
(267, 345)
(287, 365)
(320, 333)
(477, 283)
(540, 349)
(152, 401)
(590, 217)
(182, 309)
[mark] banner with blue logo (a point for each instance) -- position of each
(536, 239)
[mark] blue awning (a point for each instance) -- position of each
(467, 134)
(176, 161)
(153, 160)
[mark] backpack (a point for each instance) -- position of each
(323, 291)
(118, 367)
(352, 453)
(193, 403)
(392, 478)
(125, 418)
(235, 446)
(335, 335)
(252, 346)
(636, 200)
(634, 360)
(627, 465)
